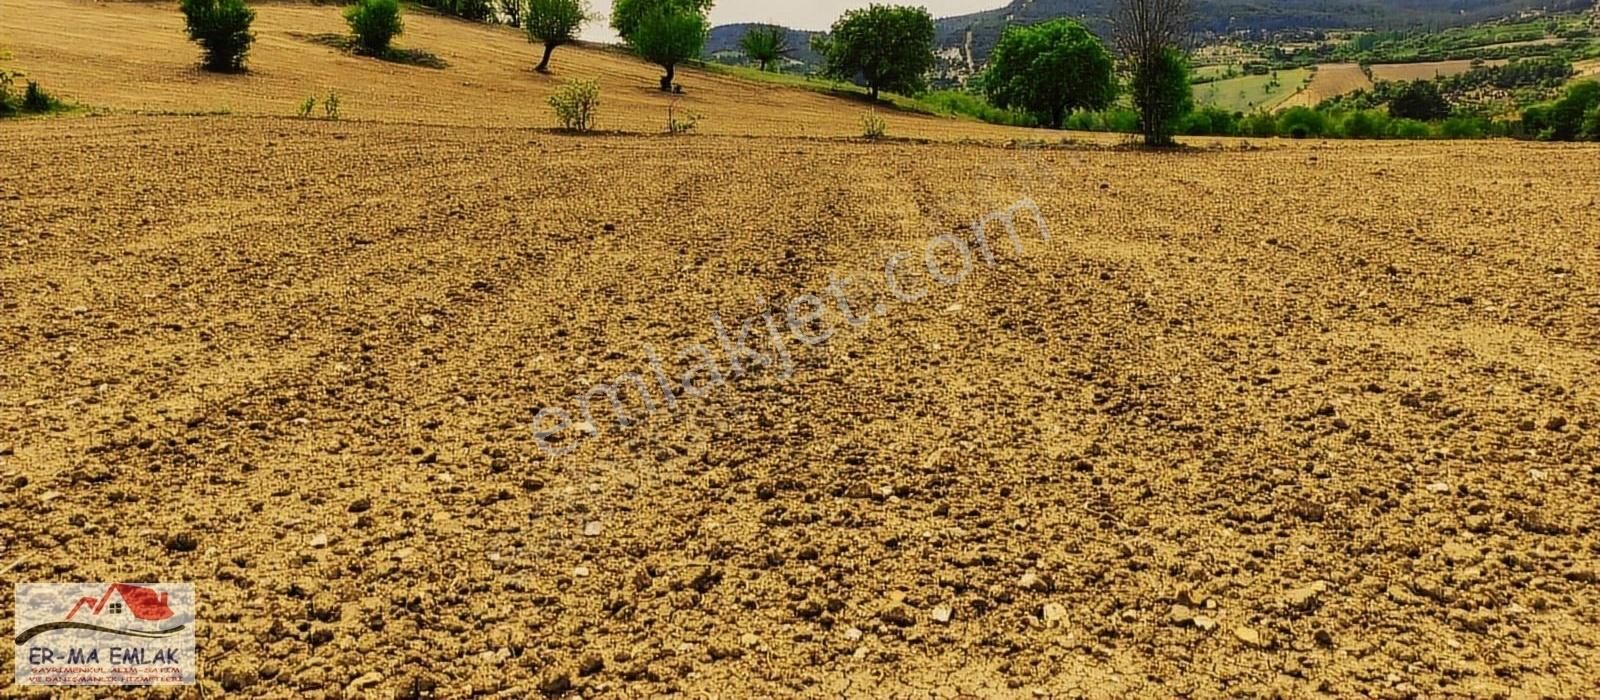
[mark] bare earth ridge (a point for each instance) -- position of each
(1301, 420)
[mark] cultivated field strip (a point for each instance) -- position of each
(1228, 376)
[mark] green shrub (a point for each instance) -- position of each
(330, 106)
(1210, 121)
(1464, 128)
(576, 103)
(873, 127)
(681, 122)
(1302, 123)
(1260, 125)
(1409, 129)
(305, 107)
(8, 103)
(375, 23)
(968, 104)
(1364, 124)
(222, 28)
(1591, 124)
(36, 99)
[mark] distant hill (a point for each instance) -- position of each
(980, 30)
(724, 39)
(972, 36)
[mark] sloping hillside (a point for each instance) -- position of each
(1233, 15)
(124, 56)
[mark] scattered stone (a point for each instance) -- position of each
(853, 634)
(591, 528)
(591, 664)
(1181, 615)
(1439, 487)
(897, 614)
(1305, 597)
(360, 505)
(1556, 424)
(555, 684)
(366, 681)
(181, 542)
(942, 614)
(750, 639)
(1033, 582)
(1250, 637)
(1205, 623)
(319, 541)
(580, 571)
(1053, 614)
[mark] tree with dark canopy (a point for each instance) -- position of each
(553, 22)
(1049, 70)
(1149, 35)
(887, 47)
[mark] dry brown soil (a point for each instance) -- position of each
(1338, 401)
(1309, 420)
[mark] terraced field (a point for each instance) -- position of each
(1250, 93)
(1330, 80)
(1294, 419)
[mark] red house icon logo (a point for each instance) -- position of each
(144, 603)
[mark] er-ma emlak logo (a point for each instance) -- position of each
(114, 607)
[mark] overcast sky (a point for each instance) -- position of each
(799, 14)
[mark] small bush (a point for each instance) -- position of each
(1210, 121)
(375, 23)
(1409, 129)
(1302, 123)
(576, 103)
(330, 106)
(681, 122)
(1260, 125)
(222, 28)
(307, 106)
(873, 127)
(1364, 124)
(1464, 128)
(8, 103)
(36, 99)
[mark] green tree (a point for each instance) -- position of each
(1419, 100)
(1049, 70)
(1149, 34)
(887, 47)
(375, 23)
(554, 22)
(1161, 94)
(1565, 116)
(626, 15)
(765, 44)
(222, 28)
(670, 34)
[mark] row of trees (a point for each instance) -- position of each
(1048, 70)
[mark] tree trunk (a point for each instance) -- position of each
(874, 90)
(544, 65)
(1057, 116)
(666, 80)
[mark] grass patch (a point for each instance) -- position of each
(347, 44)
(1251, 92)
(940, 103)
